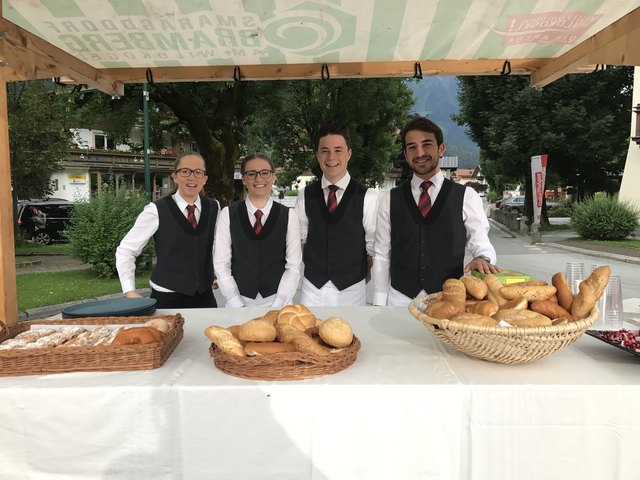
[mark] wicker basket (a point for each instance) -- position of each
(285, 366)
(103, 358)
(502, 344)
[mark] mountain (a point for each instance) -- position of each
(437, 99)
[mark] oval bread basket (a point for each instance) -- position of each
(285, 366)
(501, 344)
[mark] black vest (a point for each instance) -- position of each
(426, 251)
(258, 261)
(335, 248)
(185, 259)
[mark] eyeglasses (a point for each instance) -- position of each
(252, 174)
(186, 172)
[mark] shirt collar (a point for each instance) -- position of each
(251, 208)
(343, 183)
(182, 203)
(437, 181)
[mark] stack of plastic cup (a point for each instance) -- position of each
(612, 310)
(574, 275)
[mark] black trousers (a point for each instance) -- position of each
(173, 300)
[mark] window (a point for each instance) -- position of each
(100, 140)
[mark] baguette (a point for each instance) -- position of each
(563, 291)
(523, 318)
(475, 319)
(530, 292)
(550, 309)
(475, 287)
(494, 285)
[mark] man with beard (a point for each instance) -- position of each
(424, 225)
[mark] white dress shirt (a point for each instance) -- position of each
(329, 295)
(222, 252)
(136, 239)
(475, 224)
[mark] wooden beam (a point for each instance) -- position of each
(314, 71)
(30, 57)
(617, 44)
(8, 291)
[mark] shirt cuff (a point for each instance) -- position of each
(235, 302)
(380, 299)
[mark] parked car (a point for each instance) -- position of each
(44, 221)
(516, 204)
(513, 204)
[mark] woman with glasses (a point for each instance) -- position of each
(182, 225)
(257, 251)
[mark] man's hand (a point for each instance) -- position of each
(481, 265)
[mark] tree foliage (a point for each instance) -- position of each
(580, 121)
(293, 111)
(40, 115)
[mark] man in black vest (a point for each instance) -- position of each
(424, 225)
(337, 226)
(182, 225)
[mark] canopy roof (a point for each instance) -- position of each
(107, 43)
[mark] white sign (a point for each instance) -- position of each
(538, 174)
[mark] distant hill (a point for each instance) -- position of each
(437, 99)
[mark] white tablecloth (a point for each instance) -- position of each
(408, 408)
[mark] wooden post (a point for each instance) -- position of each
(8, 292)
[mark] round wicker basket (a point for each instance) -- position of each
(285, 366)
(502, 344)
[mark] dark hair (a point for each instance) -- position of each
(333, 127)
(187, 154)
(253, 156)
(424, 125)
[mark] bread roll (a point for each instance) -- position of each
(519, 303)
(475, 287)
(563, 291)
(300, 340)
(138, 336)
(257, 331)
(159, 324)
(532, 283)
(442, 309)
(234, 329)
(224, 340)
(550, 309)
(454, 291)
(494, 285)
(559, 321)
(475, 319)
(530, 292)
(591, 290)
(253, 349)
(522, 318)
(336, 331)
(485, 307)
(298, 316)
(271, 316)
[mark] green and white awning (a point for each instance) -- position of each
(129, 34)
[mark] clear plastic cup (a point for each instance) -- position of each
(574, 275)
(612, 311)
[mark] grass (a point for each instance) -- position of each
(554, 228)
(51, 288)
(635, 244)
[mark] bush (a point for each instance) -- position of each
(291, 193)
(604, 218)
(560, 211)
(97, 227)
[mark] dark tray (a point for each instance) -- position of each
(598, 334)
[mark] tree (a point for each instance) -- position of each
(292, 112)
(580, 121)
(40, 113)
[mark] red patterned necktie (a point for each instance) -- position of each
(332, 201)
(191, 215)
(424, 205)
(257, 227)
